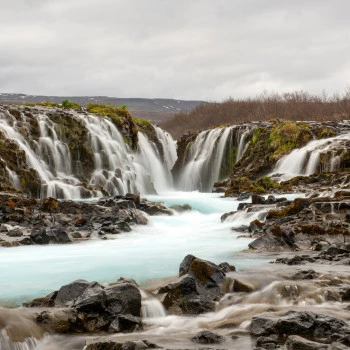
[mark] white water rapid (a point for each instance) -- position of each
(317, 156)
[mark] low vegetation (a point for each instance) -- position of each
(295, 106)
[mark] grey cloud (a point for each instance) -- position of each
(196, 49)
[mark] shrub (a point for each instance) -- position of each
(70, 104)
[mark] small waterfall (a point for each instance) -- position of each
(7, 344)
(316, 156)
(151, 307)
(204, 160)
(242, 144)
(14, 179)
(114, 166)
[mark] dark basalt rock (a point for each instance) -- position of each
(305, 275)
(195, 305)
(93, 299)
(70, 292)
(304, 323)
(207, 337)
(124, 298)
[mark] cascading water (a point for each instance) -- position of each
(116, 168)
(317, 156)
(211, 150)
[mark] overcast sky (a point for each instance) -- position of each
(188, 49)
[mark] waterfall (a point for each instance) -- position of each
(204, 160)
(114, 166)
(317, 156)
(7, 344)
(211, 151)
(242, 144)
(151, 307)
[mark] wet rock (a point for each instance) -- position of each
(14, 233)
(124, 298)
(256, 199)
(125, 323)
(185, 264)
(104, 345)
(242, 286)
(93, 299)
(181, 208)
(266, 343)
(262, 325)
(196, 305)
(226, 267)
(305, 275)
(183, 287)
(207, 337)
(333, 250)
(295, 342)
(3, 228)
(58, 320)
(67, 294)
(267, 242)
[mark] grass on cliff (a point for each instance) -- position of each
(294, 106)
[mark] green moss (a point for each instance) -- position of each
(257, 188)
(256, 136)
(142, 123)
(70, 104)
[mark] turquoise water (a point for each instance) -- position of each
(148, 252)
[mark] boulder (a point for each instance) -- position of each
(207, 337)
(262, 325)
(305, 275)
(266, 343)
(123, 298)
(185, 264)
(242, 286)
(14, 233)
(67, 294)
(195, 305)
(58, 320)
(256, 199)
(125, 323)
(93, 299)
(183, 287)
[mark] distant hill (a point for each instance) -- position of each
(155, 109)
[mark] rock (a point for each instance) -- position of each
(185, 264)
(67, 294)
(256, 199)
(3, 228)
(155, 209)
(58, 320)
(125, 323)
(226, 267)
(243, 196)
(93, 322)
(93, 299)
(104, 345)
(14, 233)
(333, 250)
(124, 298)
(295, 342)
(305, 275)
(242, 286)
(207, 337)
(208, 276)
(256, 225)
(43, 236)
(181, 208)
(134, 345)
(261, 325)
(196, 305)
(267, 242)
(266, 343)
(184, 286)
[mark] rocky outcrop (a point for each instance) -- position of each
(81, 306)
(304, 224)
(32, 221)
(306, 324)
(200, 283)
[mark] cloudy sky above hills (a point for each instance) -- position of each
(199, 49)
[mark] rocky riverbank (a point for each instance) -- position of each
(26, 221)
(207, 305)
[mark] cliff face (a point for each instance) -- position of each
(254, 150)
